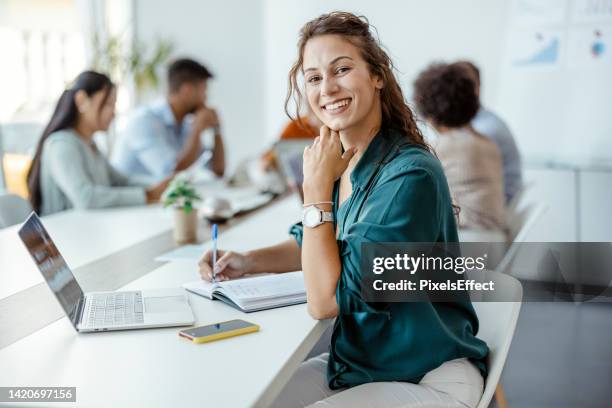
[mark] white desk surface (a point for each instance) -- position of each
(155, 368)
(86, 236)
(81, 237)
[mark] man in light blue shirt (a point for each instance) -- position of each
(165, 137)
(489, 124)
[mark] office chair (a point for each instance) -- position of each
(13, 209)
(497, 324)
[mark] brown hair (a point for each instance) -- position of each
(446, 94)
(356, 29)
(186, 70)
(471, 66)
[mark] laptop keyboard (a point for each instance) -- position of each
(118, 308)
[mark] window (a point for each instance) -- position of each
(43, 50)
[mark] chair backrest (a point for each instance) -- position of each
(519, 197)
(497, 324)
(16, 168)
(21, 137)
(513, 218)
(18, 143)
(13, 210)
(520, 221)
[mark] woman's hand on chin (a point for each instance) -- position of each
(324, 161)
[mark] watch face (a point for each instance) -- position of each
(312, 217)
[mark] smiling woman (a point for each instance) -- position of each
(368, 177)
(376, 65)
(340, 88)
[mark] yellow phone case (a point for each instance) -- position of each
(225, 335)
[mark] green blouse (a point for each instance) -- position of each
(400, 194)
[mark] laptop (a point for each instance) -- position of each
(290, 160)
(102, 311)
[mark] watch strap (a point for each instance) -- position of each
(327, 216)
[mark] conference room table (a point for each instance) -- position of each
(115, 249)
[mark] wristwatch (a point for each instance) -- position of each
(313, 216)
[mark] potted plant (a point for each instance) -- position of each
(181, 195)
(140, 62)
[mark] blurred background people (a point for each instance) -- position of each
(306, 127)
(68, 170)
(489, 124)
(446, 97)
(266, 172)
(166, 136)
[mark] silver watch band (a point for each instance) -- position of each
(327, 216)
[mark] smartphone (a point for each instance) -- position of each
(218, 331)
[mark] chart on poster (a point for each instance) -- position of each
(556, 86)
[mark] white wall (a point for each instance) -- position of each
(250, 46)
(35, 68)
(226, 36)
(415, 32)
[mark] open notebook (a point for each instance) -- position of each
(255, 293)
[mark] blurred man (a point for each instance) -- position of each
(489, 124)
(165, 137)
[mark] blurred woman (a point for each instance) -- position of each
(368, 177)
(445, 95)
(68, 170)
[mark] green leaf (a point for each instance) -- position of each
(180, 194)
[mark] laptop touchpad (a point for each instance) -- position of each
(165, 304)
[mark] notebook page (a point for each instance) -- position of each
(265, 287)
(201, 287)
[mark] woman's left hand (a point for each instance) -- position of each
(324, 161)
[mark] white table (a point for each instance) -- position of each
(86, 236)
(81, 237)
(155, 368)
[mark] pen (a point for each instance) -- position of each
(214, 250)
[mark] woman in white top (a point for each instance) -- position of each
(68, 170)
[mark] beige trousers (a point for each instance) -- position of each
(455, 384)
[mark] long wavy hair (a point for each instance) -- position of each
(64, 116)
(357, 30)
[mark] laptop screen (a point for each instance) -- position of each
(289, 153)
(52, 266)
(296, 163)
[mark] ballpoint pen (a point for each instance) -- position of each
(214, 251)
